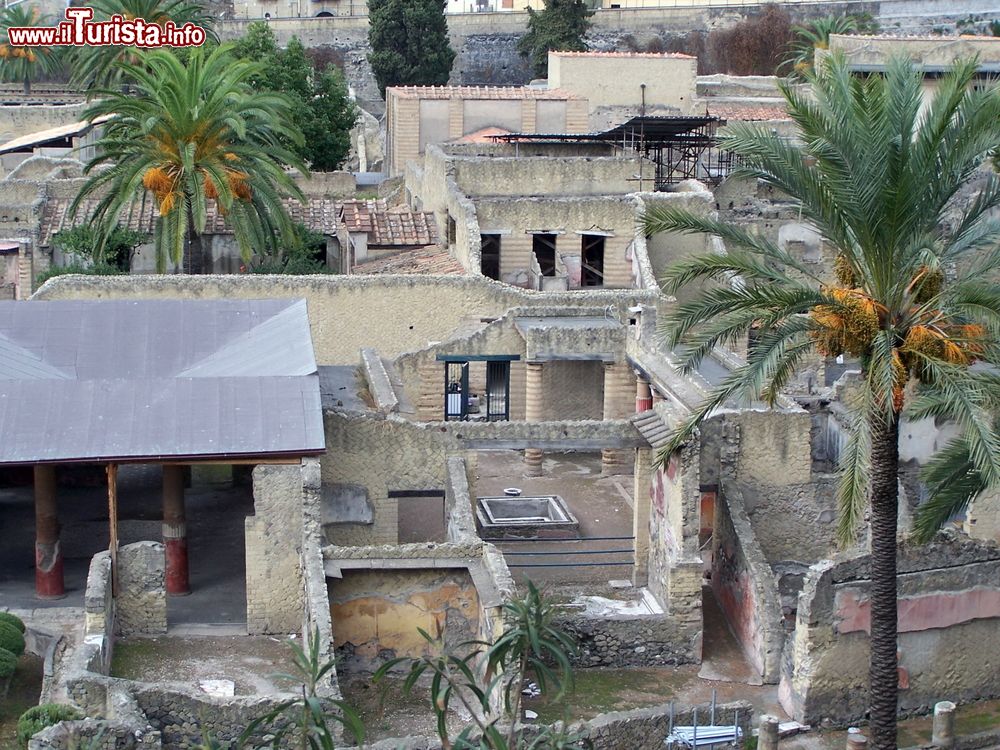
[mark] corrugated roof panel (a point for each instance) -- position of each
(153, 379)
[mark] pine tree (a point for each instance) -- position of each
(561, 26)
(409, 42)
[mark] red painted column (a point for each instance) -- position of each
(175, 531)
(643, 395)
(49, 582)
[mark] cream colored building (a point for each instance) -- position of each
(417, 116)
(621, 85)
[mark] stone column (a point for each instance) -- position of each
(175, 531)
(658, 398)
(643, 395)
(856, 740)
(618, 404)
(767, 737)
(533, 403)
(642, 477)
(943, 732)
(48, 557)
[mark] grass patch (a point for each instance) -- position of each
(25, 688)
(597, 691)
(130, 655)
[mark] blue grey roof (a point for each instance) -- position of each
(133, 380)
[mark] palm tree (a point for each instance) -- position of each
(24, 64)
(914, 300)
(191, 133)
(99, 66)
(815, 35)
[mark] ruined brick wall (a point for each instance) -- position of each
(573, 390)
(141, 604)
(949, 613)
(20, 120)
(633, 641)
(745, 587)
(376, 613)
(273, 551)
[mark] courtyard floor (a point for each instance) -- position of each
(602, 505)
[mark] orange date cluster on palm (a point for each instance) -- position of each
(164, 184)
(11, 53)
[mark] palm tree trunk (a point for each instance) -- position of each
(883, 670)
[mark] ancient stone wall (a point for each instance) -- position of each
(949, 612)
(99, 613)
(633, 640)
(745, 587)
(273, 541)
(141, 604)
(18, 120)
(401, 313)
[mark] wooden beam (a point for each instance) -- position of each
(113, 524)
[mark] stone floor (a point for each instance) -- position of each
(602, 505)
(216, 511)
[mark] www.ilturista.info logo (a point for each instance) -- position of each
(78, 30)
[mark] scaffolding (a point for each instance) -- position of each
(679, 148)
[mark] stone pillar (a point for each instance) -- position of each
(643, 395)
(48, 557)
(642, 477)
(658, 398)
(767, 737)
(618, 404)
(175, 531)
(533, 403)
(943, 733)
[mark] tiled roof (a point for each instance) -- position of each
(746, 112)
(478, 92)
(388, 227)
(427, 260)
(675, 55)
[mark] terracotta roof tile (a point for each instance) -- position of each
(746, 112)
(478, 92)
(661, 55)
(434, 261)
(395, 227)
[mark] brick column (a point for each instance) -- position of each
(533, 413)
(619, 389)
(640, 515)
(175, 531)
(643, 395)
(658, 398)
(48, 557)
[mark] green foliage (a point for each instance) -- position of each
(36, 719)
(77, 268)
(306, 722)
(25, 64)
(816, 35)
(320, 102)
(11, 638)
(305, 255)
(104, 66)
(12, 619)
(560, 26)
(82, 243)
(477, 674)
(409, 43)
(191, 131)
(8, 663)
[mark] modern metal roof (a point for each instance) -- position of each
(147, 380)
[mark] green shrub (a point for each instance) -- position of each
(95, 270)
(13, 619)
(8, 663)
(11, 639)
(34, 720)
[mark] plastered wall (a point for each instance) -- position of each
(376, 613)
(399, 314)
(949, 613)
